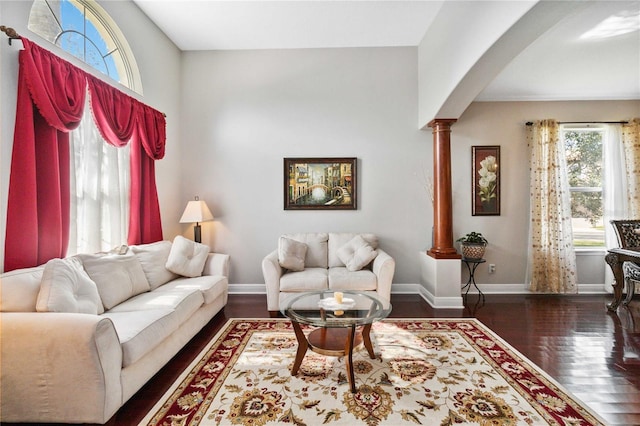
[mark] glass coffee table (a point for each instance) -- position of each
(339, 326)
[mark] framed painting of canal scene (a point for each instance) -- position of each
(320, 184)
(485, 179)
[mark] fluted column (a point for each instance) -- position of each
(442, 199)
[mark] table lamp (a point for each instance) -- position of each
(196, 211)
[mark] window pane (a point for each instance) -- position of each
(584, 158)
(587, 219)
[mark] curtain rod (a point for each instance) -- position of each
(13, 35)
(10, 32)
(530, 123)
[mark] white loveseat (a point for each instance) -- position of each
(318, 261)
(68, 357)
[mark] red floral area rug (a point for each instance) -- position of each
(426, 371)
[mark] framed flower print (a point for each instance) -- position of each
(485, 180)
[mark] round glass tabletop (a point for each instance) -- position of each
(326, 308)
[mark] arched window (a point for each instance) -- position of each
(84, 29)
(100, 180)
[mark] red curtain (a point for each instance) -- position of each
(51, 95)
(147, 146)
(120, 118)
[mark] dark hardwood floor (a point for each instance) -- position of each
(594, 354)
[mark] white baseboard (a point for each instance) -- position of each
(524, 289)
(247, 289)
(442, 302)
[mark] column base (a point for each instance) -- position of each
(443, 253)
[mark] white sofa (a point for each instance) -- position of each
(64, 360)
(318, 261)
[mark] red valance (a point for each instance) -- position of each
(113, 112)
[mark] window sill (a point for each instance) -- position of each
(591, 251)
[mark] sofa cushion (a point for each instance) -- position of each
(117, 276)
(211, 286)
(316, 256)
(307, 280)
(66, 287)
(338, 239)
(340, 278)
(357, 253)
(140, 332)
(19, 289)
(144, 321)
(291, 254)
(153, 258)
(187, 257)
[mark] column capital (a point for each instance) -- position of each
(441, 122)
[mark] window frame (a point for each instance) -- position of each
(587, 127)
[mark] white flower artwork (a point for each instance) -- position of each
(486, 182)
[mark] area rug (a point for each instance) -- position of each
(426, 371)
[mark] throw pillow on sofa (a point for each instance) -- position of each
(291, 254)
(66, 287)
(118, 277)
(153, 258)
(357, 253)
(187, 258)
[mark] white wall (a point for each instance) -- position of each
(153, 52)
(244, 111)
(503, 123)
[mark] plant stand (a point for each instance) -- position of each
(472, 264)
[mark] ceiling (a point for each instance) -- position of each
(591, 55)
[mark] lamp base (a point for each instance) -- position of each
(197, 233)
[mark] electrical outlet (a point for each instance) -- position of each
(492, 268)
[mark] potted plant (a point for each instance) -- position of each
(473, 245)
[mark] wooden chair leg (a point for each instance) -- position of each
(631, 289)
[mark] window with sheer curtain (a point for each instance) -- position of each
(39, 197)
(582, 176)
(100, 175)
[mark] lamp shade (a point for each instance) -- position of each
(196, 211)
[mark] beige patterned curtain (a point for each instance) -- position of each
(552, 259)
(631, 143)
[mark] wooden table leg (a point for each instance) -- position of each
(302, 347)
(366, 337)
(349, 358)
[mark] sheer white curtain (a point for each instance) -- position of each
(552, 258)
(621, 180)
(614, 189)
(631, 144)
(100, 180)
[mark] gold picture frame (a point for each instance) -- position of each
(325, 183)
